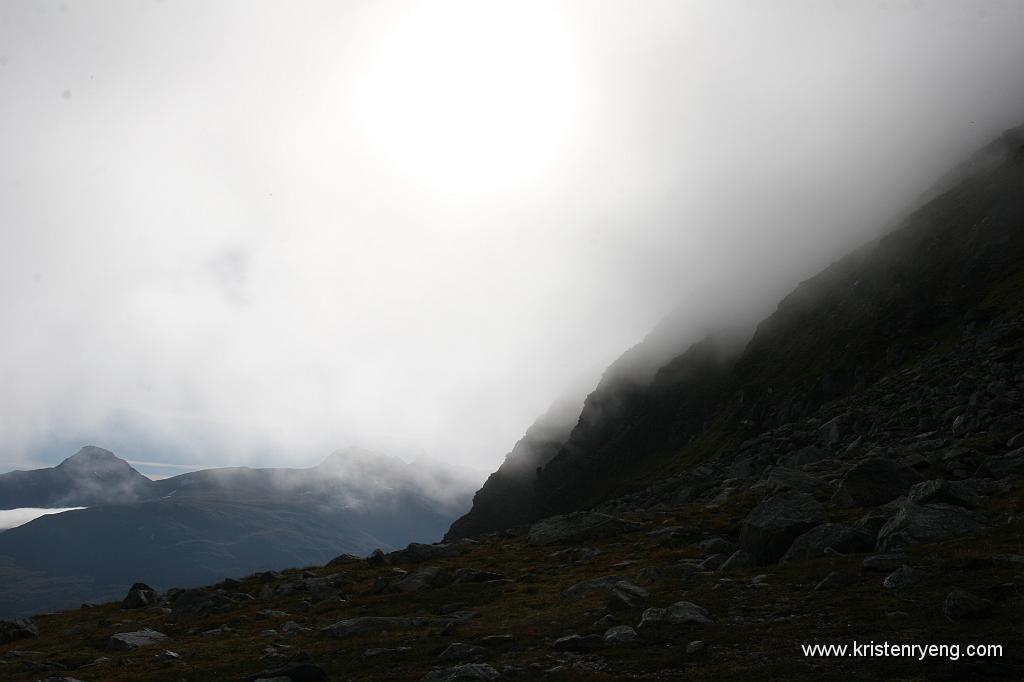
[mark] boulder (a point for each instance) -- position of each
(828, 539)
(716, 546)
(625, 596)
(576, 528)
(193, 602)
(883, 563)
(587, 587)
(19, 628)
(739, 561)
(961, 604)
(873, 482)
(914, 524)
(580, 643)
(423, 579)
(784, 478)
(680, 613)
(958, 493)
(904, 576)
(621, 635)
(140, 595)
(772, 526)
(126, 641)
(1010, 465)
(459, 651)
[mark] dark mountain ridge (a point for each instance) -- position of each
(881, 307)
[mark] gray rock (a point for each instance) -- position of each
(19, 628)
(126, 641)
(873, 482)
(914, 524)
(828, 539)
(959, 493)
(961, 604)
(772, 526)
(713, 546)
(587, 587)
(363, 625)
(884, 563)
(140, 595)
(459, 651)
(579, 643)
(378, 558)
(385, 651)
(713, 562)
(904, 576)
(194, 602)
(695, 648)
(620, 635)
(680, 613)
(470, 672)
(740, 560)
(423, 579)
(576, 528)
(625, 596)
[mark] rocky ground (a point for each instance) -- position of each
(670, 593)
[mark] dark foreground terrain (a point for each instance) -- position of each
(504, 608)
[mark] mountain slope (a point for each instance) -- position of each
(880, 308)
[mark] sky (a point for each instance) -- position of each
(258, 232)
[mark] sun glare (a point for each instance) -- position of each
(470, 97)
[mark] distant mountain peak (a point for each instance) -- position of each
(91, 454)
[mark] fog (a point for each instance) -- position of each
(258, 232)
(12, 518)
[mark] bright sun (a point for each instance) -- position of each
(471, 97)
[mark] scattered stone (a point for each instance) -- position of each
(625, 596)
(959, 493)
(680, 613)
(902, 577)
(783, 478)
(883, 563)
(695, 648)
(772, 526)
(19, 628)
(961, 604)
(576, 528)
(873, 482)
(828, 539)
(914, 524)
(194, 602)
(498, 640)
(126, 641)
(363, 625)
(713, 562)
(740, 560)
(713, 546)
(425, 578)
(587, 587)
(459, 651)
(579, 643)
(268, 614)
(345, 560)
(417, 552)
(621, 634)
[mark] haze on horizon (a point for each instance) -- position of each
(258, 232)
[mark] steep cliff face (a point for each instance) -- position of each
(955, 263)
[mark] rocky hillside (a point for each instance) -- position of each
(937, 297)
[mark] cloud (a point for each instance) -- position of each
(207, 258)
